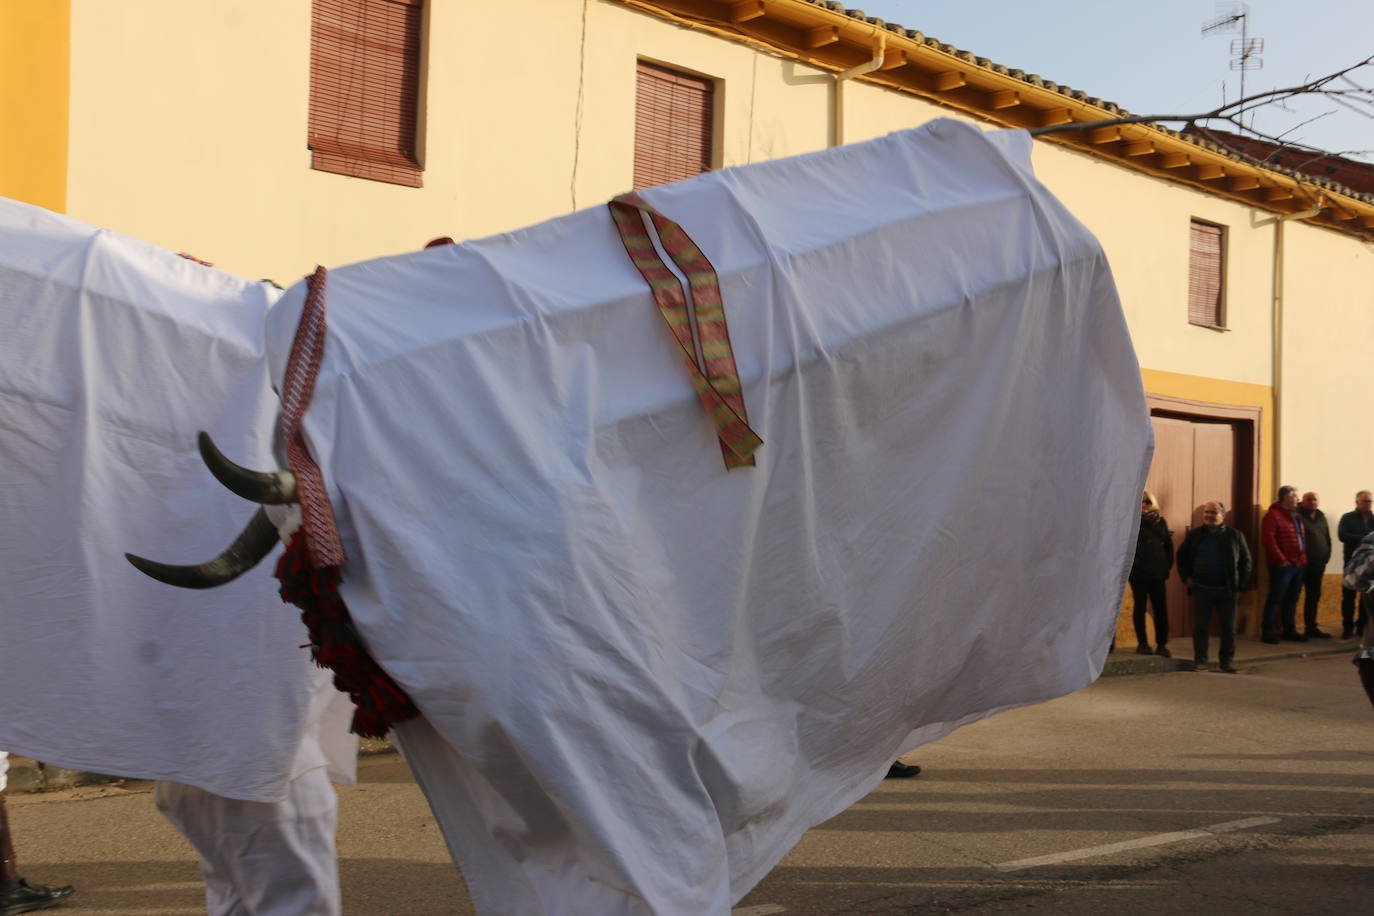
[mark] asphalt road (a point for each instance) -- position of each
(1172, 793)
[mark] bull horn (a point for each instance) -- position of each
(255, 542)
(272, 488)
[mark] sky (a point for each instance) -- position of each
(1152, 58)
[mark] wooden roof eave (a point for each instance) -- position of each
(958, 80)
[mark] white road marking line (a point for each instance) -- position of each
(763, 909)
(1159, 839)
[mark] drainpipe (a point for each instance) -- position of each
(1276, 357)
(837, 105)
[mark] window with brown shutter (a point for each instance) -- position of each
(673, 118)
(1207, 275)
(364, 88)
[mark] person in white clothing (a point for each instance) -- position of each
(274, 858)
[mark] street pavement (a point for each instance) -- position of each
(1165, 793)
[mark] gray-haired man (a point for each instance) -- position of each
(1214, 562)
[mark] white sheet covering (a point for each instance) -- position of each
(114, 353)
(652, 676)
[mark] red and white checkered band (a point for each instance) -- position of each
(317, 515)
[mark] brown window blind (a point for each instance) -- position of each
(364, 88)
(673, 117)
(1206, 275)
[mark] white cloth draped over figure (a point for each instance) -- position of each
(114, 354)
(642, 677)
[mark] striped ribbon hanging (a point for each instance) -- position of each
(715, 377)
(298, 385)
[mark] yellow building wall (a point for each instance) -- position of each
(1143, 224)
(1328, 342)
(33, 101)
(207, 120)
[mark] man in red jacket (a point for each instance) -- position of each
(1286, 552)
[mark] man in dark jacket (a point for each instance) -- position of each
(1318, 536)
(1286, 552)
(1351, 529)
(1214, 562)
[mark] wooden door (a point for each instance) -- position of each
(1171, 481)
(1214, 465)
(1195, 462)
(1214, 478)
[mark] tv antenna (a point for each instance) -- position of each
(1245, 51)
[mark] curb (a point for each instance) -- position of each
(1153, 664)
(27, 775)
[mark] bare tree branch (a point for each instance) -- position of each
(1231, 112)
(1339, 88)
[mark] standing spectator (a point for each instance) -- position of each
(16, 894)
(1154, 557)
(1214, 563)
(1351, 529)
(1286, 552)
(1318, 535)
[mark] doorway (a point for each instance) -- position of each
(1203, 452)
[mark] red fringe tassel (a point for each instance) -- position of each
(334, 643)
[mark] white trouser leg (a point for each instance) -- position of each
(260, 858)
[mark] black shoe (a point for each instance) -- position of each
(1162, 652)
(1347, 633)
(26, 898)
(1197, 666)
(1228, 668)
(1272, 640)
(1317, 634)
(898, 770)
(1143, 649)
(1295, 636)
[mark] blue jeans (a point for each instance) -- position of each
(1205, 601)
(1285, 585)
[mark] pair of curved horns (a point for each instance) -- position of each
(255, 542)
